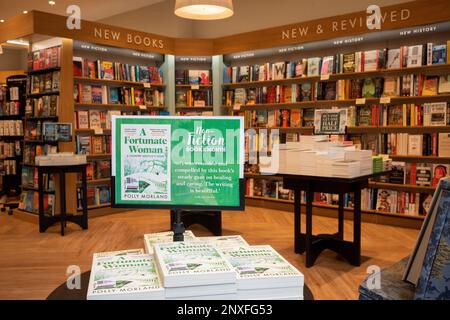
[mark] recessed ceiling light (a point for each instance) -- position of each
(52, 3)
(2, 20)
(25, 11)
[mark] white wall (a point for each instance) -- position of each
(249, 15)
(158, 19)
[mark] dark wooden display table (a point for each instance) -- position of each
(63, 293)
(313, 245)
(46, 221)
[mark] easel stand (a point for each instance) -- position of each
(211, 220)
(178, 226)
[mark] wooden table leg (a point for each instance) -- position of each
(42, 224)
(309, 207)
(62, 187)
(297, 221)
(341, 217)
(357, 228)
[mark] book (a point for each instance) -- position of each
(94, 119)
(261, 270)
(391, 87)
(86, 94)
(313, 66)
(386, 201)
(278, 71)
(371, 60)
(439, 54)
(444, 84)
(164, 237)
(119, 253)
(444, 145)
(415, 145)
(398, 173)
(394, 59)
(327, 65)
(435, 114)
(196, 263)
(430, 86)
(77, 66)
(121, 277)
(108, 70)
(423, 175)
(439, 171)
(415, 56)
(349, 63)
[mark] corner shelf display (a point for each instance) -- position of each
(396, 100)
(193, 86)
(42, 106)
(12, 105)
(107, 82)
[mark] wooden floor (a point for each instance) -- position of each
(33, 264)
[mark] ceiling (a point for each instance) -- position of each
(90, 9)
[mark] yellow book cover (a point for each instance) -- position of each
(430, 87)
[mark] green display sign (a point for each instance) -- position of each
(178, 162)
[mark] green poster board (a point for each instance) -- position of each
(178, 162)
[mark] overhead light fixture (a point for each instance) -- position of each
(2, 20)
(204, 9)
(24, 11)
(52, 3)
(19, 42)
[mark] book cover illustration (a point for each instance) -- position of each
(146, 166)
(164, 237)
(259, 261)
(124, 274)
(227, 243)
(190, 258)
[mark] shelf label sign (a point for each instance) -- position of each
(178, 162)
(332, 121)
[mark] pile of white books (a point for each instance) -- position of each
(264, 274)
(207, 268)
(124, 277)
(195, 270)
(311, 157)
(164, 237)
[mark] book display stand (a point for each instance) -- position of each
(211, 220)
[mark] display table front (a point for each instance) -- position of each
(313, 245)
(63, 293)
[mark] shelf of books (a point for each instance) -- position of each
(107, 82)
(42, 106)
(396, 95)
(193, 86)
(12, 106)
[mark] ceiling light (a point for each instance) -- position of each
(52, 3)
(25, 11)
(204, 9)
(1, 20)
(18, 42)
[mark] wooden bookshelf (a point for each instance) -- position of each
(322, 104)
(98, 156)
(98, 182)
(41, 94)
(401, 187)
(91, 132)
(301, 130)
(118, 83)
(187, 109)
(426, 70)
(191, 86)
(396, 129)
(334, 207)
(422, 159)
(120, 107)
(42, 71)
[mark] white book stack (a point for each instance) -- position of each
(364, 157)
(195, 270)
(346, 169)
(263, 274)
(125, 277)
(164, 237)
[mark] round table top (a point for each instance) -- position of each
(63, 293)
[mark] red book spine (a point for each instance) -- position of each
(435, 144)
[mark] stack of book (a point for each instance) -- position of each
(195, 270)
(263, 274)
(124, 276)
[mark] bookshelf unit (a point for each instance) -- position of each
(12, 106)
(248, 98)
(193, 85)
(110, 81)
